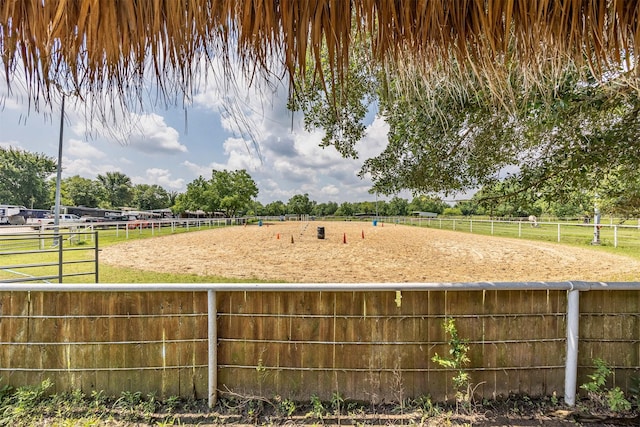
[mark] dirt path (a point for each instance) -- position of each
(292, 252)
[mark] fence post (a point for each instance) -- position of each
(558, 232)
(97, 252)
(212, 333)
(60, 254)
(519, 228)
(571, 369)
(615, 236)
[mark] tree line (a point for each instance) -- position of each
(28, 179)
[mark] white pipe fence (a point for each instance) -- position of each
(616, 235)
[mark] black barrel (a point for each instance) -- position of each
(320, 232)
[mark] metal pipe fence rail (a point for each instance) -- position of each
(46, 256)
(123, 229)
(368, 341)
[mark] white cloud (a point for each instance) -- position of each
(330, 191)
(147, 133)
(161, 177)
(375, 139)
(209, 99)
(11, 145)
(7, 103)
(86, 168)
(125, 161)
(241, 154)
(77, 148)
(198, 170)
(16, 98)
(152, 135)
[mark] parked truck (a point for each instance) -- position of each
(51, 218)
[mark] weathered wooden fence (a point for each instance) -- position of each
(373, 346)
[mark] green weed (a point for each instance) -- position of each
(337, 402)
(457, 360)
(425, 406)
(135, 407)
(23, 404)
(317, 408)
(284, 407)
(597, 392)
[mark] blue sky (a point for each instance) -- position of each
(173, 146)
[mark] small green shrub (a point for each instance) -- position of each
(617, 401)
(457, 360)
(597, 392)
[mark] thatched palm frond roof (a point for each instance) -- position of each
(112, 45)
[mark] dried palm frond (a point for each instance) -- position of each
(113, 45)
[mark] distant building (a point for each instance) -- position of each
(424, 214)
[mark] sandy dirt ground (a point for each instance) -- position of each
(362, 252)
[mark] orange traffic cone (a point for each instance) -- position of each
(278, 236)
(363, 234)
(291, 239)
(344, 238)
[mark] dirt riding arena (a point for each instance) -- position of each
(361, 252)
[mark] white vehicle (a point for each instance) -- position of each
(50, 220)
(10, 214)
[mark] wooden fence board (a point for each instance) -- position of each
(516, 341)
